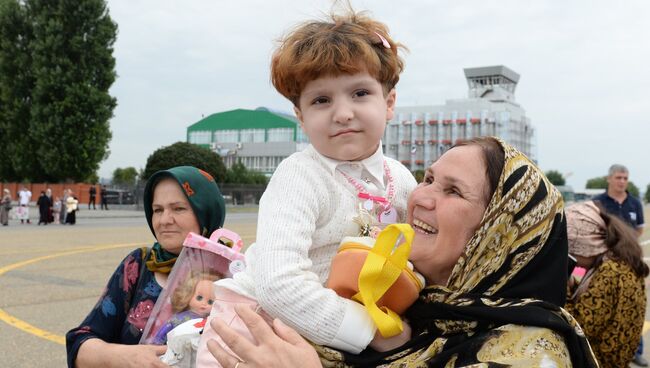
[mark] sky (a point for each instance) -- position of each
(584, 67)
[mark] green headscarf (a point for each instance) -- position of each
(205, 198)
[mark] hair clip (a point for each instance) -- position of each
(383, 40)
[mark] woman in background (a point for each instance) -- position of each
(71, 208)
(44, 205)
(609, 301)
(5, 207)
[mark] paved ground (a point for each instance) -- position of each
(51, 276)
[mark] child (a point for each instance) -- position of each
(56, 209)
(340, 75)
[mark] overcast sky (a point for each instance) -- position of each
(584, 66)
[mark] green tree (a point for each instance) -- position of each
(74, 68)
(555, 177)
(647, 194)
(185, 154)
(239, 174)
(56, 67)
(16, 84)
(633, 189)
(597, 183)
(125, 176)
(93, 178)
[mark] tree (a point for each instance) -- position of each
(647, 194)
(16, 85)
(555, 177)
(597, 183)
(185, 154)
(93, 178)
(633, 189)
(126, 176)
(56, 67)
(239, 174)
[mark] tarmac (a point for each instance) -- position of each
(51, 276)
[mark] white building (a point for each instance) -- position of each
(418, 135)
(260, 139)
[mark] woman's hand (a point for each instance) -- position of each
(144, 355)
(97, 353)
(382, 344)
(278, 347)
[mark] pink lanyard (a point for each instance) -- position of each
(383, 202)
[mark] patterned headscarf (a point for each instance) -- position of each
(205, 198)
(513, 271)
(586, 230)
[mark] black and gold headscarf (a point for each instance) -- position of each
(505, 292)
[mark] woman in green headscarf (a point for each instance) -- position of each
(490, 240)
(176, 201)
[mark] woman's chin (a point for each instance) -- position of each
(422, 246)
(174, 249)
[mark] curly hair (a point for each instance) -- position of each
(343, 44)
(180, 300)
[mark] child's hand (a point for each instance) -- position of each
(382, 344)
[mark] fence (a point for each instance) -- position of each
(234, 194)
(79, 190)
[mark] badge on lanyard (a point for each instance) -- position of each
(388, 215)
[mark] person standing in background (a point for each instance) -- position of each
(5, 207)
(71, 208)
(617, 201)
(50, 216)
(93, 193)
(24, 197)
(64, 210)
(56, 210)
(44, 205)
(103, 199)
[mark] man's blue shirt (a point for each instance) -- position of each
(631, 210)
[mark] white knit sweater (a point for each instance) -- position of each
(304, 214)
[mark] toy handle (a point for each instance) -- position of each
(229, 238)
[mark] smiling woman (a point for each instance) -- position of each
(491, 242)
(177, 201)
(445, 211)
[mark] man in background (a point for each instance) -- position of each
(618, 202)
(103, 198)
(92, 192)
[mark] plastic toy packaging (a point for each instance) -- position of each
(179, 315)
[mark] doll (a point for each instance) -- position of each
(191, 299)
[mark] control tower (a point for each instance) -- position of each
(495, 83)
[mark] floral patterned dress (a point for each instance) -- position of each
(123, 309)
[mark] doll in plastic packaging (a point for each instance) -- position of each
(192, 299)
(179, 315)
